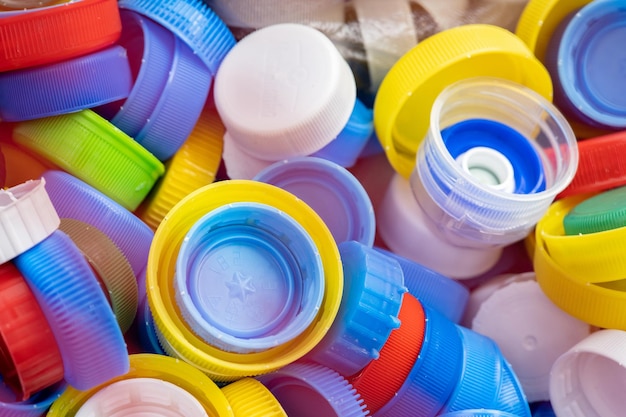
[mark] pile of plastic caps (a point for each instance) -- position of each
(332, 208)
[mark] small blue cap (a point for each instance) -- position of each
(349, 144)
(586, 58)
(373, 293)
(527, 166)
(248, 278)
(331, 190)
(433, 289)
(435, 374)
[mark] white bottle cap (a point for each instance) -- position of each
(142, 397)
(239, 164)
(490, 167)
(531, 331)
(589, 379)
(409, 232)
(284, 91)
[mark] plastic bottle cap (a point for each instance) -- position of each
(404, 227)
(194, 165)
(146, 332)
(89, 338)
(435, 374)
(75, 84)
(243, 14)
(160, 367)
(346, 148)
(63, 31)
(332, 191)
(277, 101)
(30, 360)
(439, 292)
(489, 167)
(406, 95)
(605, 211)
(111, 266)
(470, 210)
(600, 166)
(586, 379)
(27, 217)
(193, 22)
(381, 379)
(74, 199)
(373, 293)
(599, 304)
(248, 278)
(36, 406)
(308, 390)
(177, 338)
(91, 148)
(586, 258)
(138, 396)
(383, 46)
(529, 329)
(590, 63)
(250, 398)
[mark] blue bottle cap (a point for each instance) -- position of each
(348, 145)
(248, 278)
(373, 293)
(437, 291)
(511, 397)
(435, 374)
(35, 406)
(590, 64)
(332, 191)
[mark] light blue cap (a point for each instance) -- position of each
(588, 66)
(437, 291)
(434, 375)
(348, 145)
(331, 190)
(248, 278)
(373, 293)
(511, 397)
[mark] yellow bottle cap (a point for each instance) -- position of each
(193, 166)
(161, 367)
(175, 335)
(406, 95)
(250, 398)
(601, 304)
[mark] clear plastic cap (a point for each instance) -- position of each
(463, 205)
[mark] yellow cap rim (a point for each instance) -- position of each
(602, 305)
(405, 97)
(194, 165)
(250, 398)
(181, 341)
(540, 19)
(147, 365)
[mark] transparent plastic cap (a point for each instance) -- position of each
(460, 202)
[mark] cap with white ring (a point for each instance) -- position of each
(521, 319)
(444, 294)
(89, 338)
(250, 398)
(489, 167)
(136, 396)
(310, 389)
(346, 148)
(261, 13)
(160, 367)
(74, 199)
(248, 278)
(27, 217)
(586, 379)
(75, 84)
(590, 64)
(191, 21)
(400, 212)
(373, 293)
(331, 190)
(36, 406)
(284, 91)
